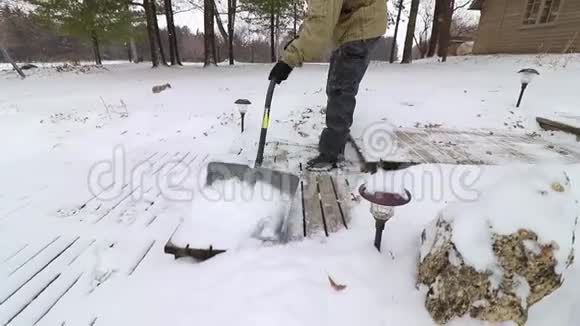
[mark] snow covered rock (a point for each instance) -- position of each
(493, 258)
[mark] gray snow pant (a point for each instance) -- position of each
(348, 65)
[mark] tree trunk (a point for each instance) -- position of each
(157, 33)
(133, 47)
(9, 59)
(171, 35)
(231, 15)
(445, 36)
(277, 40)
(392, 57)
(295, 16)
(219, 21)
(129, 53)
(435, 28)
(272, 35)
(96, 48)
(408, 51)
(208, 33)
(151, 34)
(252, 53)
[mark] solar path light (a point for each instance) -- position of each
(526, 77)
(383, 208)
(243, 105)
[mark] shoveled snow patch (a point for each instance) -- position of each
(232, 214)
(538, 199)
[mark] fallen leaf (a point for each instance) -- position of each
(557, 187)
(337, 287)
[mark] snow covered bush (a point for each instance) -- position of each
(493, 258)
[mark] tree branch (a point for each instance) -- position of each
(467, 3)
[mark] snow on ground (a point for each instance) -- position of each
(55, 127)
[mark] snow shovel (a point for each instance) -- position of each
(284, 182)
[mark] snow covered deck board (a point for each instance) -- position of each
(27, 293)
(446, 146)
(44, 291)
(39, 277)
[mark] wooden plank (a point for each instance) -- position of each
(33, 298)
(314, 223)
(14, 254)
(37, 272)
(332, 213)
(448, 144)
(462, 145)
(424, 148)
(549, 124)
(59, 297)
(415, 154)
(510, 147)
(147, 250)
(84, 205)
(341, 188)
(33, 256)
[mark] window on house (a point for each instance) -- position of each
(541, 11)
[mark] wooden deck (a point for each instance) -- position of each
(472, 147)
(42, 278)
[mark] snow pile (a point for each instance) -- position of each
(539, 200)
(232, 214)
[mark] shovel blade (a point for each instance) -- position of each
(284, 182)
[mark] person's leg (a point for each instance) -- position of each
(348, 66)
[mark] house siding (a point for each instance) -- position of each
(501, 29)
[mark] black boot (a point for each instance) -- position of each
(322, 162)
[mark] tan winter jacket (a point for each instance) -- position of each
(330, 23)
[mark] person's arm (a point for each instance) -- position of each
(315, 34)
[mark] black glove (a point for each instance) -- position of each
(280, 72)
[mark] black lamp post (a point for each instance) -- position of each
(526, 75)
(243, 105)
(383, 208)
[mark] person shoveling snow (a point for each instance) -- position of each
(354, 27)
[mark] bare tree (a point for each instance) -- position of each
(219, 21)
(426, 15)
(462, 27)
(232, 4)
(435, 28)
(210, 53)
(449, 8)
(152, 36)
(154, 13)
(272, 33)
(174, 57)
(399, 11)
(408, 50)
